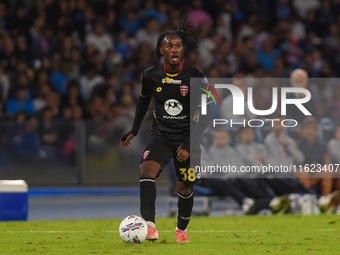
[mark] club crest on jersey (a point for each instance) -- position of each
(146, 153)
(184, 89)
(171, 81)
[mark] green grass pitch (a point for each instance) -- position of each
(287, 234)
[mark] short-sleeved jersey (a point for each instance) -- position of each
(171, 100)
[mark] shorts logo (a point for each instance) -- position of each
(184, 89)
(146, 153)
(159, 89)
(173, 107)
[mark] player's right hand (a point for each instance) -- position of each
(125, 140)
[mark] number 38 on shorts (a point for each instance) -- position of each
(189, 174)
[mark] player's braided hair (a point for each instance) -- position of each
(185, 31)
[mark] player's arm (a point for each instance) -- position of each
(141, 109)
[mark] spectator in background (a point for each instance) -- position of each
(43, 92)
(222, 153)
(323, 18)
(7, 52)
(97, 61)
(97, 109)
(25, 142)
(112, 22)
(148, 12)
(283, 151)
(48, 130)
(41, 77)
(315, 153)
(266, 56)
(113, 58)
(89, 80)
(283, 9)
(101, 40)
(73, 96)
(22, 51)
(207, 45)
(162, 13)
(39, 44)
(251, 152)
(21, 81)
(237, 185)
(334, 151)
(61, 77)
(18, 21)
(197, 16)
(149, 34)
(4, 84)
(77, 113)
(66, 132)
(124, 46)
(129, 23)
(226, 110)
(53, 100)
(64, 52)
(86, 20)
(333, 105)
(76, 63)
(304, 7)
(299, 79)
(21, 102)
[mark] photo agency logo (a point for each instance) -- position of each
(243, 99)
(208, 93)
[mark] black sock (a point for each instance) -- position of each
(185, 204)
(147, 198)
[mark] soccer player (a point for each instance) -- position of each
(169, 86)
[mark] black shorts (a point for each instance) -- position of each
(163, 150)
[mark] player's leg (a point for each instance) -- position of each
(286, 186)
(185, 204)
(149, 172)
(156, 155)
(186, 176)
(255, 188)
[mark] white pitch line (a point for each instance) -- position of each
(331, 229)
(165, 231)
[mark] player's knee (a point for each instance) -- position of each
(185, 190)
(149, 170)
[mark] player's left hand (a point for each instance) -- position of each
(182, 155)
(125, 141)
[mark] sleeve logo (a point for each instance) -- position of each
(146, 153)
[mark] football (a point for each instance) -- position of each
(133, 229)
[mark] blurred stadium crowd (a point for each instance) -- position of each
(71, 60)
(83, 59)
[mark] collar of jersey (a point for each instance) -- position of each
(173, 75)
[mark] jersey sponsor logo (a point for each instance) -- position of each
(184, 89)
(175, 117)
(173, 107)
(159, 89)
(146, 153)
(171, 81)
